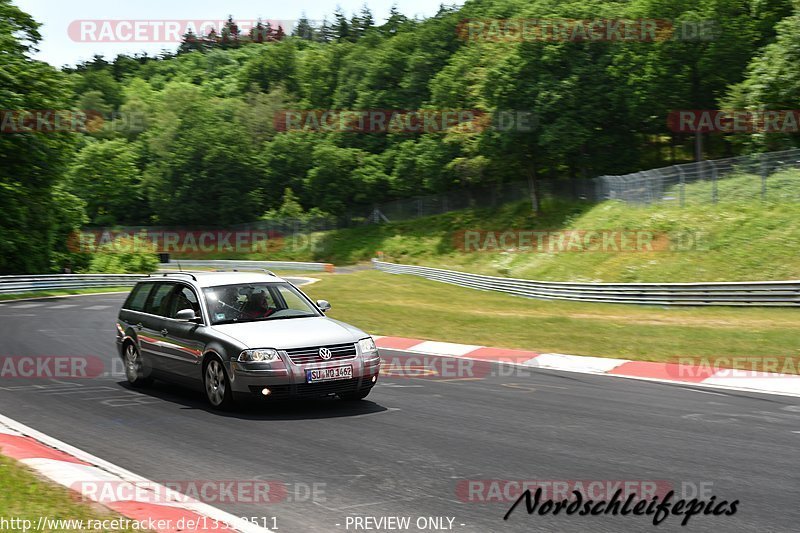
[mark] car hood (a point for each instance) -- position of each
(291, 333)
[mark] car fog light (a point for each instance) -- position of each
(265, 391)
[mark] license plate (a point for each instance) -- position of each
(329, 374)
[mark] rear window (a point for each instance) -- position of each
(138, 297)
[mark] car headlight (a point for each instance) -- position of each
(367, 346)
(264, 355)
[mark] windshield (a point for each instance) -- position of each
(250, 302)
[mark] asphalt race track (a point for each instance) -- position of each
(407, 448)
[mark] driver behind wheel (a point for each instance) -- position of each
(257, 306)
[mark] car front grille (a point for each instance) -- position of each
(305, 356)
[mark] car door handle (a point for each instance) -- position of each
(164, 332)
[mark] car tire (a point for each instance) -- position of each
(217, 385)
(354, 396)
(135, 367)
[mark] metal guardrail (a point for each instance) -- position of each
(755, 293)
(20, 284)
(46, 282)
(245, 265)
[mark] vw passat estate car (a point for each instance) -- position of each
(238, 334)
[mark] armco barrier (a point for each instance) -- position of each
(755, 293)
(34, 283)
(20, 284)
(245, 265)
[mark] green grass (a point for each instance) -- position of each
(408, 306)
(25, 496)
(741, 238)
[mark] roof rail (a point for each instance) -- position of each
(165, 274)
(264, 270)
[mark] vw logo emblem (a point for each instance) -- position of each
(325, 353)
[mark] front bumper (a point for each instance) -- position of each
(289, 381)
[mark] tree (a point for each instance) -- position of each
(101, 81)
(341, 27)
(285, 163)
(687, 73)
(124, 66)
(201, 167)
(230, 34)
(772, 83)
(69, 216)
(326, 34)
(190, 42)
(290, 208)
(304, 29)
(396, 22)
(32, 163)
(269, 67)
(107, 175)
(361, 23)
(318, 71)
(331, 184)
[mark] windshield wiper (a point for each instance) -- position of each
(259, 319)
(284, 317)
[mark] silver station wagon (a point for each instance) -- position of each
(237, 335)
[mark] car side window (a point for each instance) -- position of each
(138, 297)
(156, 305)
(184, 298)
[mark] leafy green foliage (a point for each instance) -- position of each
(590, 107)
(738, 239)
(772, 83)
(197, 144)
(31, 164)
(123, 256)
(107, 174)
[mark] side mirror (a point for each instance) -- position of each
(186, 315)
(323, 305)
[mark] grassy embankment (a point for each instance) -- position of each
(740, 238)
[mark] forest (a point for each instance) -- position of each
(194, 137)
